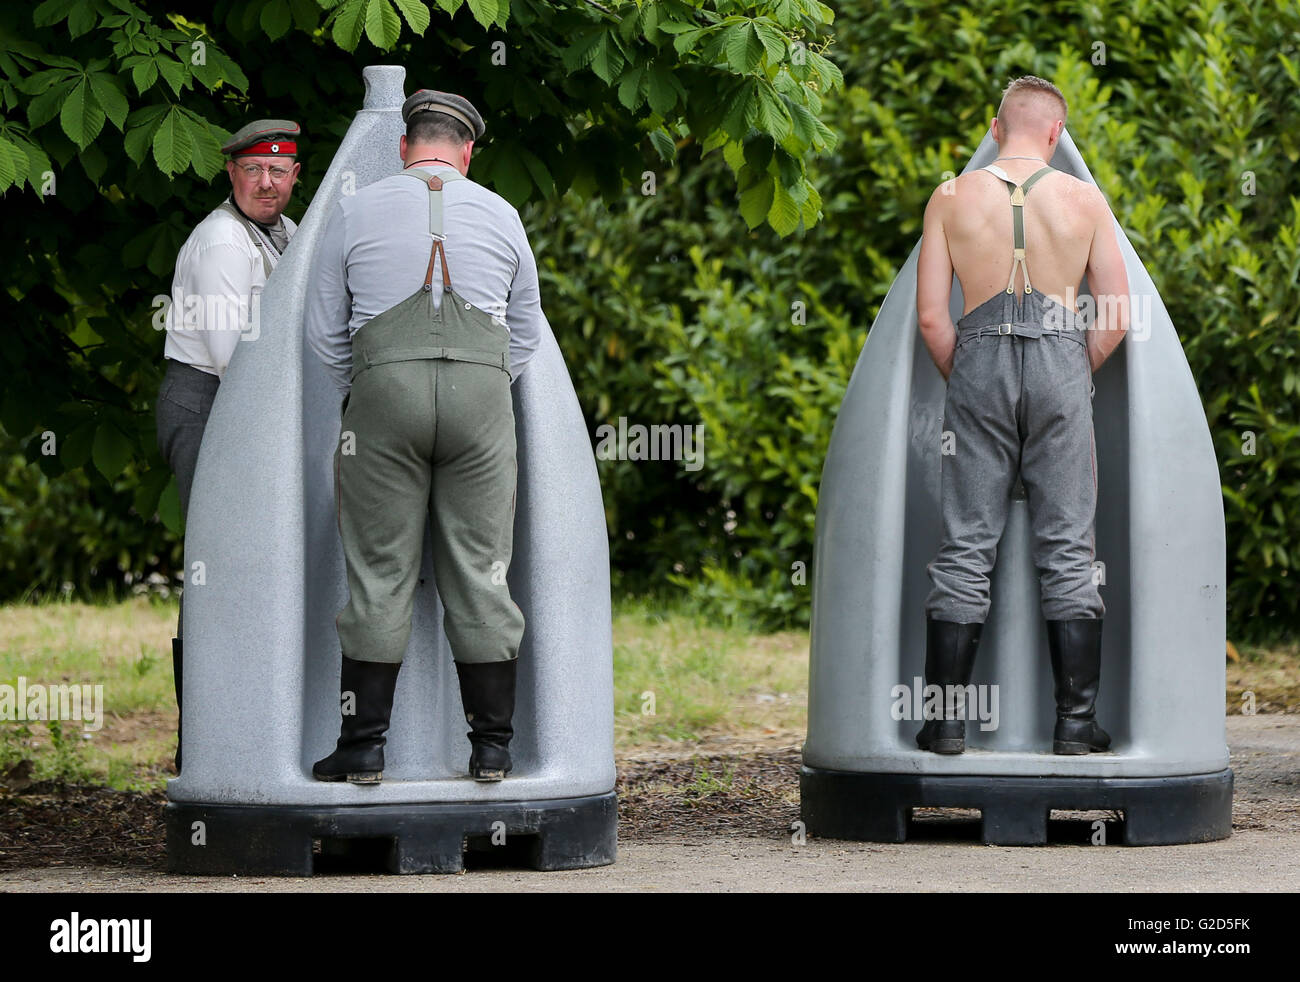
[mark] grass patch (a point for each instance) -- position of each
(679, 677)
(126, 648)
(1271, 677)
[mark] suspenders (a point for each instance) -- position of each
(413, 331)
(435, 183)
(1018, 193)
(1026, 317)
(265, 248)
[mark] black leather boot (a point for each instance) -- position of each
(1076, 666)
(949, 660)
(487, 691)
(180, 718)
(359, 755)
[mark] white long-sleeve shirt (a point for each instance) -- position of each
(217, 284)
(375, 251)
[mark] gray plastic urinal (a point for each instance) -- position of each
(266, 580)
(1161, 562)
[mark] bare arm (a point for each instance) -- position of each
(934, 288)
(1108, 281)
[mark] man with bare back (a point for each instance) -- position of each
(1019, 368)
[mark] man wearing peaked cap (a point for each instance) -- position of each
(425, 368)
(275, 140)
(220, 272)
(447, 103)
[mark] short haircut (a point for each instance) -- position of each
(1030, 99)
(428, 126)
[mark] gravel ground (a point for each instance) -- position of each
(710, 820)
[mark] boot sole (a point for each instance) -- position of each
(1068, 749)
(364, 777)
(489, 777)
(947, 747)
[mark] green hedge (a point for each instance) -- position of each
(77, 535)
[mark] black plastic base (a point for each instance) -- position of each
(1158, 811)
(271, 840)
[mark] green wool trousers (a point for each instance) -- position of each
(428, 439)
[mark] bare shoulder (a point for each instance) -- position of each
(961, 188)
(1082, 194)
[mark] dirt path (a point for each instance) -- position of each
(717, 818)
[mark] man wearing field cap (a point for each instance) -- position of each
(220, 272)
(424, 306)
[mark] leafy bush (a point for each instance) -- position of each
(78, 534)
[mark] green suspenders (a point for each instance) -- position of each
(1018, 193)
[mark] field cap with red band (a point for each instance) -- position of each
(264, 138)
(447, 103)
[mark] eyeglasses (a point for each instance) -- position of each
(254, 171)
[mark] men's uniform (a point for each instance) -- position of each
(220, 273)
(427, 409)
(1019, 401)
(433, 426)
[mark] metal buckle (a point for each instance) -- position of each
(1004, 329)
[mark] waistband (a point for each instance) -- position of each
(1020, 330)
(191, 375)
(1031, 317)
(363, 357)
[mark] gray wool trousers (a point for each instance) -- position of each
(181, 414)
(1019, 402)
